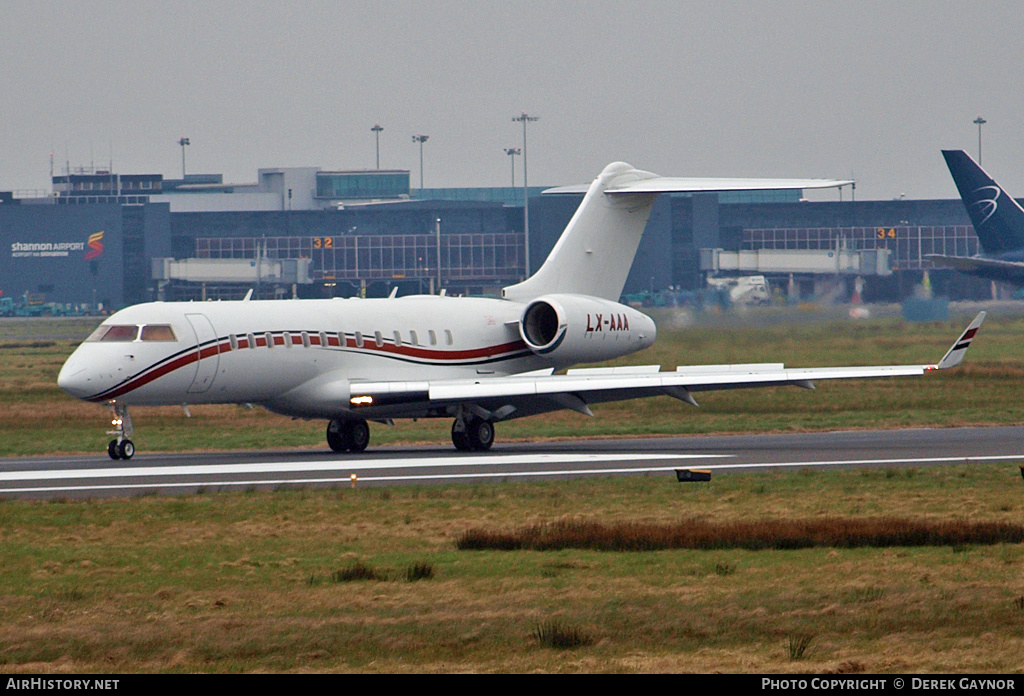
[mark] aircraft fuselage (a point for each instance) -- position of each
(300, 357)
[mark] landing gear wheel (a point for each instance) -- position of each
(348, 436)
(126, 449)
(460, 438)
(480, 433)
(112, 450)
(359, 436)
(475, 434)
(337, 436)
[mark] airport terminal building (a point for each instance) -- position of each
(110, 240)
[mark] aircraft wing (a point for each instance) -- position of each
(992, 269)
(500, 398)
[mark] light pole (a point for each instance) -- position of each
(526, 192)
(512, 152)
(420, 138)
(979, 121)
(377, 128)
(437, 229)
(183, 142)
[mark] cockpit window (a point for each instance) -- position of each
(115, 332)
(158, 332)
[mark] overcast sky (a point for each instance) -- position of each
(864, 90)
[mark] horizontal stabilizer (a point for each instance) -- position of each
(991, 269)
(670, 184)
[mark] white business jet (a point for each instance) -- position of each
(478, 361)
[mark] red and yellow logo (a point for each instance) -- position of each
(95, 246)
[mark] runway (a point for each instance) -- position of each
(190, 473)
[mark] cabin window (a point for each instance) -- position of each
(448, 338)
(287, 340)
(232, 339)
(398, 338)
(433, 337)
(323, 339)
(305, 340)
(270, 339)
(252, 340)
(414, 338)
(359, 339)
(378, 338)
(158, 332)
(121, 333)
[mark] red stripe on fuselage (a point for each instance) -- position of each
(224, 346)
(428, 354)
(146, 377)
(158, 370)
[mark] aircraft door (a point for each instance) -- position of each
(209, 353)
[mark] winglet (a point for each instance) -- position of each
(955, 355)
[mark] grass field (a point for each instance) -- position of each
(243, 582)
(270, 582)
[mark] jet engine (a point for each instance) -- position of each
(571, 329)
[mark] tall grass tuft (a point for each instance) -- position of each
(419, 571)
(554, 634)
(798, 646)
(356, 572)
(755, 535)
(724, 569)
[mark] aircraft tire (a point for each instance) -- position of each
(460, 438)
(480, 433)
(112, 450)
(358, 435)
(338, 436)
(126, 449)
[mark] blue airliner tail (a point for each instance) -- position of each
(998, 219)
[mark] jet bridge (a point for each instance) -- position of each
(280, 274)
(865, 262)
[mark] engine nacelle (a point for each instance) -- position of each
(571, 329)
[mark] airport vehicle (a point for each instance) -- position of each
(478, 361)
(747, 290)
(998, 221)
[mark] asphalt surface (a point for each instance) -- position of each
(182, 474)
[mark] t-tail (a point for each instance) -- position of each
(998, 219)
(595, 252)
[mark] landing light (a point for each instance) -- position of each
(361, 400)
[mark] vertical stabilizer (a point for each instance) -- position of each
(998, 219)
(595, 252)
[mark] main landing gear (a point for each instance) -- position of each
(348, 435)
(121, 447)
(474, 433)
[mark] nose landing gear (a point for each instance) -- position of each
(121, 447)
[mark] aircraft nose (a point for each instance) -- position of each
(74, 379)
